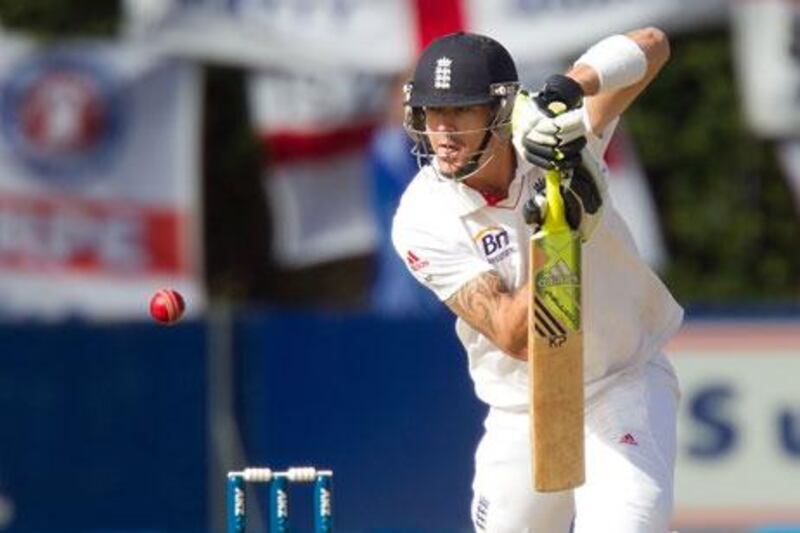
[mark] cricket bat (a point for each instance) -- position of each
(555, 348)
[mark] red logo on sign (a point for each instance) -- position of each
(628, 439)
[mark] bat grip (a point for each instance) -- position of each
(556, 218)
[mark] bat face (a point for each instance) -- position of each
(555, 353)
(557, 284)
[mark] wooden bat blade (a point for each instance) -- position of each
(556, 361)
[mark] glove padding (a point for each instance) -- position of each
(559, 88)
(564, 157)
(583, 189)
(537, 136)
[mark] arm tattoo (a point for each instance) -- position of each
(478, 302)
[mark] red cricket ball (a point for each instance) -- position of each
(167, 306)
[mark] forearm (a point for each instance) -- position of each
(513, 321)
(500, 314)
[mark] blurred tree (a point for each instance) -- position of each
(727, 211)
(235, 224)
(56, 18)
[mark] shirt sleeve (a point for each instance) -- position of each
(598, 144)
(441, 265)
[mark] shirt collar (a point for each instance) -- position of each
(467, 200)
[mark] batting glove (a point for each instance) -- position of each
(583, 190)
(547, 138)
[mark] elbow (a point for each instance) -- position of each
(656, 45)
(513, 343)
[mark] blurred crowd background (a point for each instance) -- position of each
(250, 153)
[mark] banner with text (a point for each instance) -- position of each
(739, 424)
(98, 180)
(383, 36)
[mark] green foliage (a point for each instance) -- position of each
(730, 223)
(58, 18)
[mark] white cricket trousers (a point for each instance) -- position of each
(630, 459)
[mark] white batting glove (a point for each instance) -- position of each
(533, 123)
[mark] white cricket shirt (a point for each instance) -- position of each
(447, 235)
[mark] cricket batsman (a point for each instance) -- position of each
(462, 229)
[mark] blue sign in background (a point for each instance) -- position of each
(387, 404)
(105, 427)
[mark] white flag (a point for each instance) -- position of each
(316, 131)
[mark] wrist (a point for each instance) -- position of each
(586, 77)
(617, 61)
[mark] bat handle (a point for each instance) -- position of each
(556, 218)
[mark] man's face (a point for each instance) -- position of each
(455, 133)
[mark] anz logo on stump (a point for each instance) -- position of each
(494, 243)
(62, 115)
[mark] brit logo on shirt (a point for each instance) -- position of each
(495, 244)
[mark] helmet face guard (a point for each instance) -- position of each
(461, 70)
(499, 126)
